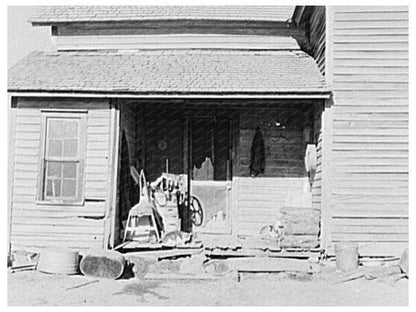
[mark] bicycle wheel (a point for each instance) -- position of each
(197, 213)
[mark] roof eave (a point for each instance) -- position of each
(94, 21)
(321, 94)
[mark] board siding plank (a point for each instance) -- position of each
(370, 237)
(36, 229)
(379, 229)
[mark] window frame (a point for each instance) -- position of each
(79, 159)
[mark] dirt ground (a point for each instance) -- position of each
(36, 288)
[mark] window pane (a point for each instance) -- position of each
(53, 188)
(56, 128)
(57, 187)
(55, 148)
(54, 170)
(71, 129)
(49, 189)
(69, 188)
(70, 170)
(70, 148)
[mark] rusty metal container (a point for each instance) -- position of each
(58, 261)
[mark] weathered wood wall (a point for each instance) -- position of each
(35, 225)
(281, 192)
(316, 34)
(370, 127)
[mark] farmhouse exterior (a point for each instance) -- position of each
(185, 90)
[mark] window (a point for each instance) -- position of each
(63, 154)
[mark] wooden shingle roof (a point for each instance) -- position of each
(65, 14)
(169, 72)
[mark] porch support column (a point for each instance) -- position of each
(110, 215)
(326, 202)
(327, 172)
(11, 134)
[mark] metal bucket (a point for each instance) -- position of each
(346, 256)
(58, 261)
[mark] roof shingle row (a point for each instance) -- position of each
(174, 71)
(60, 14)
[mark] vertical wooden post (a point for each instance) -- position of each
(326, 201)
(111, 209)
(11, 131)
(186, 223)
(327, 172)
(329, 45)
(235, 176)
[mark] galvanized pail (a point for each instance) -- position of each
(58, 261)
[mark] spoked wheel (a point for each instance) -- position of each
(197, 214)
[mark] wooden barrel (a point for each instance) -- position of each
(58, 261)
(103, 264)
(346, 256)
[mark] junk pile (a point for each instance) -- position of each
(203, 264)
(387, 272)
(21, 260)
(95, 263)
(162, 217)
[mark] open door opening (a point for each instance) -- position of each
(210, 172)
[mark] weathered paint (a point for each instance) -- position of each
(35, 224)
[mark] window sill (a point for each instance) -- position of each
(60, 203)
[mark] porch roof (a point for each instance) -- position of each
(48, 15)
(169, 72)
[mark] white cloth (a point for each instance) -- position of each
(310, 158)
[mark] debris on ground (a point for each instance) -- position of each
(18, 268)
(264, 264)
(404, 262)
(177, 276)
(140, 266)
(382, 273)
(216, 267)
(21, 260)
(193, 265)
(83, 284)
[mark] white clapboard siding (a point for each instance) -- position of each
(370, 127)
(260, 201)
(40, 225)
(174, 41)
